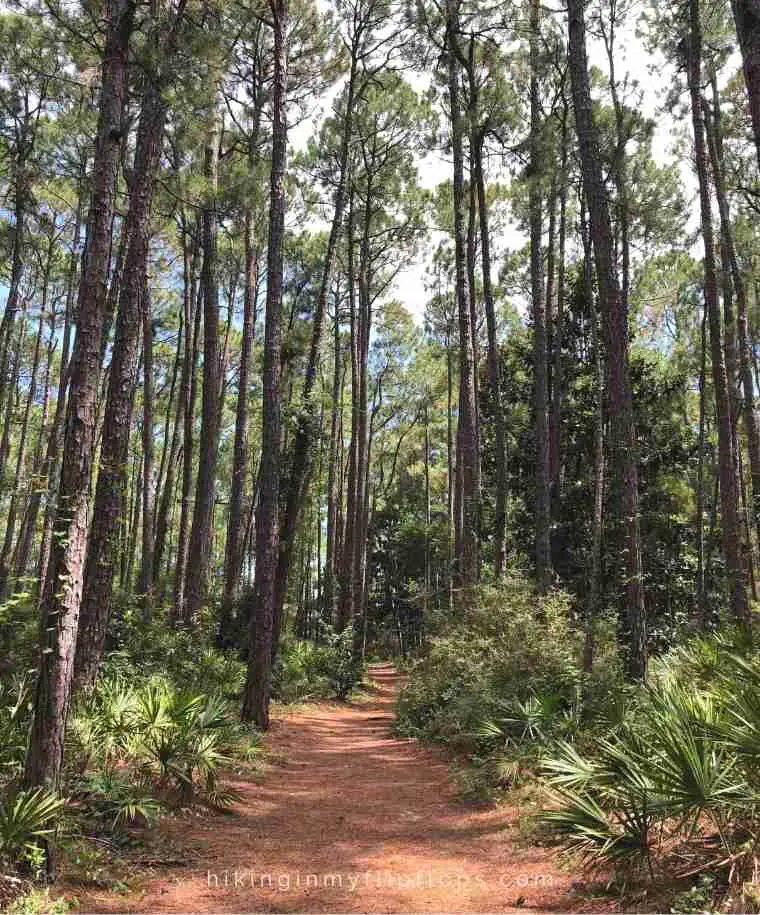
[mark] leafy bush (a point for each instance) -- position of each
(183, 655)
(25, 816)
(305, 670)
(38, 901)
(506, 650)
(678, 776)
(299, 672)
(342, 670)
(15, 714)
(151, 737)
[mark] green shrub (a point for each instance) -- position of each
(299, 672)
(307, 670)
(183, 655)
(508, 648)
(155, 737)
(681, 768)
(25, 817)
(342, 670)
(38, 901)
(15, 715)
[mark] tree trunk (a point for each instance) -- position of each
(302, 449)
(346, 603)
(595, 565)
(540, 347)
(145, 585)
(558, 393)
(727, 467)
(494, 360)
(701, 565)
(625, 533)
(63, 585)
(332, 490)
(13, 404)
(38, 478)
(747, 18)
(199, 551)
(55, 439)
(193, 316)
(362, 451)
(170, 454)
(110, 493)
(745, 365)
(468, 459)
(259, 680)
(21, 200)
(233, 564)
(10, 524)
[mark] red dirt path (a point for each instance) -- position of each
(354, 820)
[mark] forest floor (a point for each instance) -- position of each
(350, 818)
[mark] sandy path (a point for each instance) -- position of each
(354, 820)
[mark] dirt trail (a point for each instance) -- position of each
(353, 820)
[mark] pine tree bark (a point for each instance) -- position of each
(13, 508)
(303, 446)
(740, 289)
(347, 566)
(468, 459)
(557, 387)
(37, 478)
(233, 563)
(63, 585)
(110, 492)
(726, 460)
(540, 345)
(330, 606)
(193, 315)
(233, 559)
(624, 527)
(21, 199)
(363, 445)
(477, 140)
(199, 550)
(170, 454)
(55, 438)
(747, 19)
(145, 583)
(259, 680)
(595, 565)
(701, 564)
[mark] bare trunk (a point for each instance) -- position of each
(540, 347)
(259, 681)
(701, 565)
(747, 18)
(63, 586)
(10, 524)
(199, 550)
(468, 459)
(332, 490)
(727, 467)
(233, 564)
(145, 586)
(302, 447)
(110, 494)
(193, 316)
(624, 528)
(745, 365)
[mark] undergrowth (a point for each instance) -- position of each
(655, 785)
